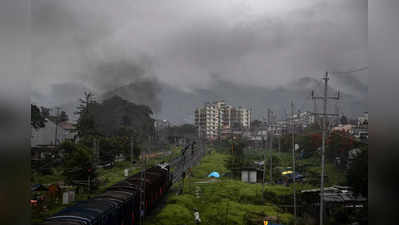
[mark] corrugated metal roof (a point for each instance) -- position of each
(337, 194)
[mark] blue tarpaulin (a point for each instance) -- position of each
(214, 174)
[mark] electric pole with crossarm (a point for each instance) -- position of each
(293, 157)
(324, 116)
(270, 144)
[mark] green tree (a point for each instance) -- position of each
(115, 116)
(286, 142)
(357, 179)
(338, 145)
(63, 117)
(112, 146)
(113, 122)
(235, 147)
(309, 143)
(85, 125)
(344, 120)
(187, 131)
(38, 119)
(60, 117)
(78, 162)
(45, 111)
(357, 175)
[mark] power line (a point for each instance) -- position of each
(351, 71)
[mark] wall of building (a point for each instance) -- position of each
(215, 117)
(47, 135)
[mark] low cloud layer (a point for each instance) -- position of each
(183, 44)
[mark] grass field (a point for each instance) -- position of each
(229, 201)
(221, 201)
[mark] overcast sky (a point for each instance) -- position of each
(184, 43)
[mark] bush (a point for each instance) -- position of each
(78, 163)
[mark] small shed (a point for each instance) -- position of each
(249, 175)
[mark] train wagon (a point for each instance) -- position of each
(120, 203)
(90, 212)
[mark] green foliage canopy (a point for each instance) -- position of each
(78, 162)
(38, 117)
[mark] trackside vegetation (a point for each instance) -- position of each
(221, 201)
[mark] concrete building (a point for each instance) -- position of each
(304, 119)
(161, 124)
(348, 128)
(245, 117)
(249, 175)
(214, 118)
(44, 140)
(52, 134)
(363, 120)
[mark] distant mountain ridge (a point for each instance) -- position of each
(178, 105)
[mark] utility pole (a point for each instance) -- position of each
(89, 182)
(264, 167)
(337, 121)
(142, 185)
(279, 142)
(323, 144)
(199, 137)
(131, 148)
(293, 157)
(279, 137)
(270, 143)
(96, 152)
(232, 155)
(184, 171)
(316, 117)
(56, 125)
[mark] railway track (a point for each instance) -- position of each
(183, 162)
(128, 201)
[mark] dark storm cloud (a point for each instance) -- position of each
(258, 98)
(248, 43)
(128, 80)
(58, 17)
(108, 75)
(67, 36)
(60, 94)
(270, 50)
(352, 82)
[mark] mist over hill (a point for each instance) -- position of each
(177, 105)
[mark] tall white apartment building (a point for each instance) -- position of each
(212, 118)
(245, 117)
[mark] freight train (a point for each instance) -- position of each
(120, 203)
